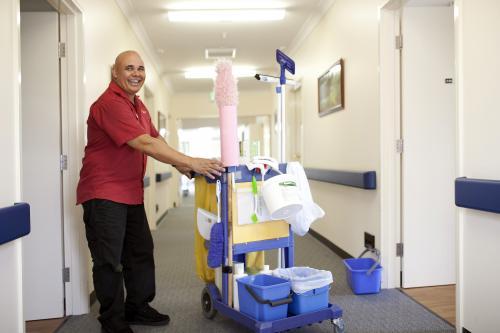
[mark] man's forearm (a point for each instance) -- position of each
(160, 150)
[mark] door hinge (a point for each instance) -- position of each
(399, 42)
(64, 162)
(62, 50)
(66, 274)
(399, 146)
(399, 249)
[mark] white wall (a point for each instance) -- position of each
(106, 33)
(11, 307)
(347, 139)
(478, 67)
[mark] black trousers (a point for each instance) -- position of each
(121, 247)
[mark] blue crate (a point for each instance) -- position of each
(309, 301)
(266, 287)
(358, 278)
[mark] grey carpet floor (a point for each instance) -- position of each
(179, 291)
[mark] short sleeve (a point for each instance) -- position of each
(117, 120)
(154, 132)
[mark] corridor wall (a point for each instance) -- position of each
(346, 139)
(11, 305)
(478, 69)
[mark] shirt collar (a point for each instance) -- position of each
(119, 91)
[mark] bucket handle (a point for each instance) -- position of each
(377, 262)
(279, 302)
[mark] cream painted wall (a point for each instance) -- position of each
(198, 105)
(11, 305)
(348, 139)
(478, 68)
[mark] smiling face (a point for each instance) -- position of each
(129, 73)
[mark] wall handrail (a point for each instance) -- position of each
(14, 222)
(478, 194)
(163, 176)
(366, 180)
(146, 182)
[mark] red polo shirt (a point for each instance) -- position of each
(112, 169)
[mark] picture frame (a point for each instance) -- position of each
(331, 89)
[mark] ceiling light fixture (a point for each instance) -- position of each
(249, 15)
(234, 4)
(209, 72)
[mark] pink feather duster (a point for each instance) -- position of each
(226, 91)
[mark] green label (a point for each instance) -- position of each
(287, 183)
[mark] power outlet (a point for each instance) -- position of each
(369, 241)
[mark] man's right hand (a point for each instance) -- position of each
(207, 167)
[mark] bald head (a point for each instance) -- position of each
(129, 72)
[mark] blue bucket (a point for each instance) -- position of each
(360, 279)
(264, 297)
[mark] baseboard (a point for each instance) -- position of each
(92, 298)
(337, 250)
(161, 218)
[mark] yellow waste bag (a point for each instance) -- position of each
(205, 198)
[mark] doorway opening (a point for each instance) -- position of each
(54, 261)
(418, 145)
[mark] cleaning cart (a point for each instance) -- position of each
(233, 241)
(240, 240)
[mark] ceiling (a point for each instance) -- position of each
(176, 47)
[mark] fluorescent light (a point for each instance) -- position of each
(209, 72)
(234, 4)
(226, 15)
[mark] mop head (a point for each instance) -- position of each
(226, 91)
(216, 247)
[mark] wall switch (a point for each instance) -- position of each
(369, 241)
(157, 208)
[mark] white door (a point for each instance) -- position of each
(41, 175)
(429, 133)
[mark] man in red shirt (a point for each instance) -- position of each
(120, 137)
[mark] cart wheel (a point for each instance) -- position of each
(338, 325)
(207, 306)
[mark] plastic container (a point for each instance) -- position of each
(309, 301)
(239, 272)
(266, 270)
(310, 288)
(205, 220)
(358, 277)
(270, 299)
(281, 196)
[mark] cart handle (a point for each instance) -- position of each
(266, 301)
(377, 254)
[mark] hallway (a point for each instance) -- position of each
(178, 290)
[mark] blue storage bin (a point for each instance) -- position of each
(309, 301)
(358, 278)
(264, 297)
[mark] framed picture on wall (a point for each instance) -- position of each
(162, 125)
(331, 89)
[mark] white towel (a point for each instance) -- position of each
(310, 212)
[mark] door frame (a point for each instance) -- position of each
(390, 132)
(72, 139)
(391, 208)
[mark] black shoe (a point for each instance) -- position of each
(115, 326)
(147, 316)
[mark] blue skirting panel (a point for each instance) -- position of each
(146, 182)
(163, 176)
(480, 194)
(14, 222)
(365, 180)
